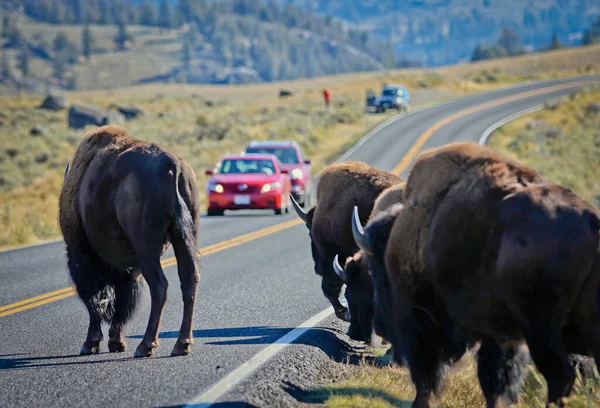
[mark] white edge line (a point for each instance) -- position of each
(486, 134)
(210, 396)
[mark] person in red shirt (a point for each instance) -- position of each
(327, 97)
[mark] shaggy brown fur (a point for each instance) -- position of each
(123, 202)
(486, 244)
(342, 186)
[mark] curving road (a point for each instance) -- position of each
(253, 290)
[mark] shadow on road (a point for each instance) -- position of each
(238, 335)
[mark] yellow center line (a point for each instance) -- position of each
(416, 147)
(230, 243)
(49, 297)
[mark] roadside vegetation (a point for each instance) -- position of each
(203, 122)
(562, 142)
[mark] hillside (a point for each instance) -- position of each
(440, 32)
(131, 43)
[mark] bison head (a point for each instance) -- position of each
(372, 241)
(359, 294)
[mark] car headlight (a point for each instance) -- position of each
(399, 100)
(217, 188)
(268, 187)
(296, 174)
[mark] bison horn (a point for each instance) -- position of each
(361, 239)
(301, 213)
(66, 170)
(341, 272)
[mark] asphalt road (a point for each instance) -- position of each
(250, 294)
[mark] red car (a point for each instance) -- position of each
(248, 181)
(290, 155)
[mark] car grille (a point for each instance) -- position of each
(234, 189)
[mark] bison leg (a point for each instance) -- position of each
(88, 275)
(157, 283)
(187, 268)
(331, 290)
(552, 361)
(500, 372)
(126, 295)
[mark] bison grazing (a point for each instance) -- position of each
(485, 249)
(122, 203)
(341, 187)
(356, 272)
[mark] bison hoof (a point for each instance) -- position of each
(116, 346)
(144, 351)
(343, 314)
(181, 349)
(87, 349)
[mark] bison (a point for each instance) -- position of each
(342, 186)
(355, 274)
(485, 249)
(122, 203)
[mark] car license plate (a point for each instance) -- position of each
(241, 199)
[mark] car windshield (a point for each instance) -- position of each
(285, 155)
(392, 92)
(240, 166)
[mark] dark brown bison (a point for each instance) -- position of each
(355, 273)
(484, 249)
(341, 187)
(122, 203)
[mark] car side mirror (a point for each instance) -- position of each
(284, 171)
(209, 172)
(308, 161)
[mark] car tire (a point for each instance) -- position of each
(211, 212)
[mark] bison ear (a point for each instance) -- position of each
(341, 272)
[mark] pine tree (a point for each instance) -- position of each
(6, 26)
(166, 18)
(61, 42)
(23, 60)
(59, 64)
(5, 66)
(148, 13)
(122, 36)
(187, 56)
(555, 43)
(87, 42)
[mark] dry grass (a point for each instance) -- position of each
(382, 385)
(562, 142)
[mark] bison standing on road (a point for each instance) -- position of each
(486, 249)
(341, 187)
(122, 203)
(355, 273)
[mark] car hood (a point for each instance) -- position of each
(244, 178)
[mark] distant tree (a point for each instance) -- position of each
(61, 42)
(194, 34)
(15, 38)
(105, 15)
(187, 56)
(59, 64)
(555, 43)
(87, 42)
(592, 35)
(148, 13)
(389, 56)
(6, 26)
(165, 17)
(486, 3)
(484, 52)
(122, 36)
(510, 41)
(5, 69)
(23, 60)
